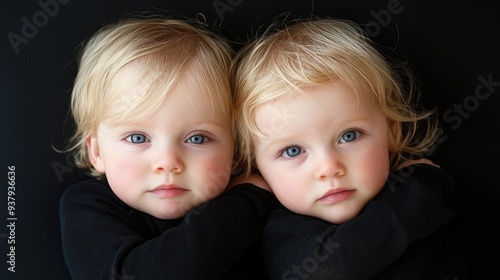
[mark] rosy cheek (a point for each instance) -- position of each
(377, 169)
(286, 189)
(216, 175)
(124, 172)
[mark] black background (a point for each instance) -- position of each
(451, 45)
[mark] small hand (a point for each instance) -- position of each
(416, 161)
(253, 179)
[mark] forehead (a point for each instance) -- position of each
(134, 84)
(136, 93)
(334, 101)
(137, 78)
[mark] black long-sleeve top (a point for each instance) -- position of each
(103, 238)
(400, 234)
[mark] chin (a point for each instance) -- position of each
(339, 218)
(169, 215)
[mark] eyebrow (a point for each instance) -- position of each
(345, 122)
(270, 146)
(211, 122)
(141, 123)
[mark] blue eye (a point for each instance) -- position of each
(349, 136)
(136, 138)
(197, 139)
(291, 151)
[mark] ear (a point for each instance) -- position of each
(95, 153)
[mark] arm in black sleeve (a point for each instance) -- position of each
(408, 208)
(105, 239)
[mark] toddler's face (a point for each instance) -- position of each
(325, 155)
(170, 162)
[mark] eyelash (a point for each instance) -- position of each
(279, 154)
(204, 135)
(361, 132)
(354, 129)
(130, 134)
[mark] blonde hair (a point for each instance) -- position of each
(162, 49)
(315, 52)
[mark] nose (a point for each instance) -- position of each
(168, 160)
(330, 165)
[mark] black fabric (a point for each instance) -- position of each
(440, 256)
(104, 238)
(412, 209)
(452, 47)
